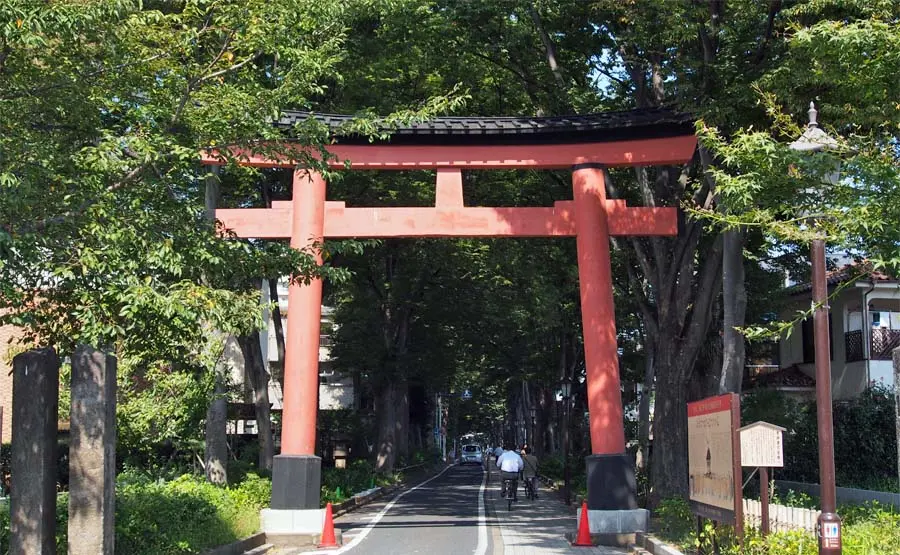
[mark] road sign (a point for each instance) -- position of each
(466, 394)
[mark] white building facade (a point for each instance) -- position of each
(864, 318)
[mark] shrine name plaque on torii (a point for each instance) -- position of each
(583, 144)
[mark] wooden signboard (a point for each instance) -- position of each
(761, 445)
(714, 459)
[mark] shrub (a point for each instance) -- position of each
(865, 439)
(870, 529)
(339, 484)
(255, 491)
(879, 532)
(675, 520)
(551, 466)
(185, 515)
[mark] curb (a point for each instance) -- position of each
(239, 547)
(360, 499)
(654, 545)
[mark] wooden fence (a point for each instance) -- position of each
(781, 518)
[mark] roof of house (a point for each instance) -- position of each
(784, 377)
(643, 123)
(850, 272)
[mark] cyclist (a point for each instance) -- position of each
(510, 464)
(529, 473)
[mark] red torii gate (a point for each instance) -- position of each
(586, 144)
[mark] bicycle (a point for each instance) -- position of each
(529, 488)
(510, 485)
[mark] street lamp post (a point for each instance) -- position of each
(566, 389)
(814, 140)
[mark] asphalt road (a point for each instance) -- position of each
(440, 517)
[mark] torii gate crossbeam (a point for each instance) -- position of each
(664, 138)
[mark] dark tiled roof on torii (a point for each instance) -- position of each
(601, 127)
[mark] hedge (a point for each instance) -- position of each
(181, 516)
(865, 436)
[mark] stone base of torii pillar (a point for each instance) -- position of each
(294, 517)
(613, 512)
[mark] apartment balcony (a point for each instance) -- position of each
(884, 341)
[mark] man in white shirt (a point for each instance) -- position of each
(510, 464)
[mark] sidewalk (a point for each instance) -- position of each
(536, 527)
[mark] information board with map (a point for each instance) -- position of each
(714, 458)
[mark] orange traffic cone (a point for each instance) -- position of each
(584, 528)
(327, 540)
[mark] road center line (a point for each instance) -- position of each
(377, 518)
(481, 548)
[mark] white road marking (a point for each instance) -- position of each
(481, 548)
(376, 519)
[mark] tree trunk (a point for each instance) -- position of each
(279, 333)
(258, 378)
(678, 338)
(216, 446)
(216, 452)
(643, 458)
(734, 305)
(386, 414)
(401, 389)
(669, 465)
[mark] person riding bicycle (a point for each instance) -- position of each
(529, 473)
(510, 464)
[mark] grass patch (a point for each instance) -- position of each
(340, 484)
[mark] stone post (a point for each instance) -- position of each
(33, 466)
(92, 453)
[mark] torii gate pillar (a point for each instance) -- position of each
(297, 471)
(610, 471)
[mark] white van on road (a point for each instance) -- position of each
(470, 454)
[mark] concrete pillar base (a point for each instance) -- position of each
(611, 483)
(292, 521)
(296, 482)
(617, 528)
